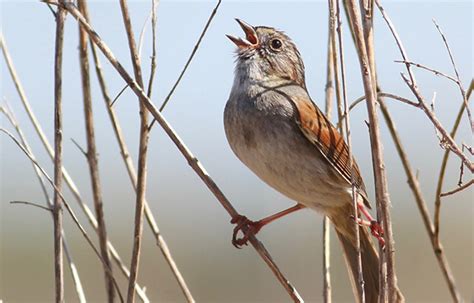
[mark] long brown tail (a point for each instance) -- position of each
(345, 229)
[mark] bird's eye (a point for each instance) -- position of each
(276, 44)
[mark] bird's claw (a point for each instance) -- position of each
(377, 232)
(247, 228)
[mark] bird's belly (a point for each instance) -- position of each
(282, 157)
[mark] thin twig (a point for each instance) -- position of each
(434, 71)
(75, 274)
(79, 147)
(381, 186)
(142, 157)
(49, 209)
(118, 95)
(421, 203)
(447, 141)
(64, 202)
(459, 83)
(380, 94)
(92, 159)
(360, 282)
(58, 150)
(191, 56)
(192, 160)
(154, 5)
(67, 178)
(458, 189)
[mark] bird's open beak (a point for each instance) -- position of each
(251, 39)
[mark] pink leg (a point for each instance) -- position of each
(374, 226)
(253, 227)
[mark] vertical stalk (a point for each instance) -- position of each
(142, 157)
(58, 150)
(381, 186)
(92, 160)
(360, 285)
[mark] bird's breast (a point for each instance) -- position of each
(263, 133)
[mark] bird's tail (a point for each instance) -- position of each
(346, 232)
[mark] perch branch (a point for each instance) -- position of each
(192, 160)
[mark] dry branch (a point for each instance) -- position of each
(329, 94)
(192, 160)
(92, 159)
(142, 157)
(58, 150)
(458, 189)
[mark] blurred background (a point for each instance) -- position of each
(191, 220)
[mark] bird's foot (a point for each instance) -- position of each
(375, 229)
(246, 227)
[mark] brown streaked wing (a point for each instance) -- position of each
(319, 131)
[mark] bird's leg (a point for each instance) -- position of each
(248, 227)
(375, 228)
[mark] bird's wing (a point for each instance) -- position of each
(319, 131)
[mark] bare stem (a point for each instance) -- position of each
(192, 160)
(142, 157)
(329, 96)
(58, 149)
(360, 285)
(381, 187)
(92, 159)
(458, 189)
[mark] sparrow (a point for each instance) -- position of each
(279, 133)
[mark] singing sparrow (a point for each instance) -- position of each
(276, 130)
